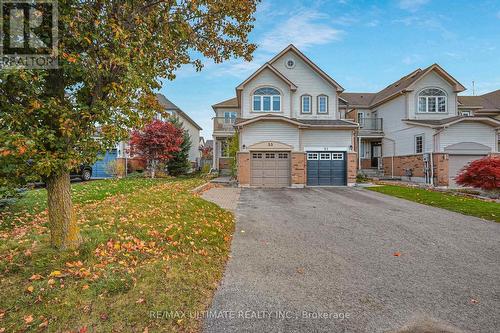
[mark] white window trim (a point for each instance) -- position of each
(302, 104)
(415, 143)
(319, 104)
(325, 159)
(312, 156)
(466, 113)
(432, 97)
(232, 120)
(335, 155)
(261, 99)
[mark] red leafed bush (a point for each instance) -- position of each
(156, 142)
(483, 173)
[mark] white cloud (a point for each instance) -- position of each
(373, 23)
(411, 59)
(303, 29)
(411, 5)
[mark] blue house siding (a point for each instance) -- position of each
(99, 167)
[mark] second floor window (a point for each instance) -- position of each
(266, 100)
(305, 104)
(229, 117)
(432, 100)
(322, 104)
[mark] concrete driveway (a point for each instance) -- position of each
(322, 260)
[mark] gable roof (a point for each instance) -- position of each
(308, 61)
(267, 65)
(168, 105)
(228, 103)
(485, 102)
(400, 87)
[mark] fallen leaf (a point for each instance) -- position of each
(83, 329)
(397, 254)
(30, 289)
(85, 287)
(104, 316)
(44, 324)
(2, 329)
(55, 274)
(140, 301)
(51, 282)
(28, 319)
(474, 301)
(36, 277)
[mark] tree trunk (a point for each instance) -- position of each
(63, 227)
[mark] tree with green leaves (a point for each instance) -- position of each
(179, 163)
(233, 148)
(112, 57)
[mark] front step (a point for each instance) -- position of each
(372, 173)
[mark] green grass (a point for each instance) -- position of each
(456, 203)
(150, 245)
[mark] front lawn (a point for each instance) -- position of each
(457, 203)
(150, 245)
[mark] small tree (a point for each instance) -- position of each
(233, 148)
(157, 143)
(179, 163)
(483, 173)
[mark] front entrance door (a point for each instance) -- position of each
(376, 153)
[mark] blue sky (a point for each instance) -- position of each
(363, 45)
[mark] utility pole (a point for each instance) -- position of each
(473, 89)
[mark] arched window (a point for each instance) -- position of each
(266, 100)
(432, 100)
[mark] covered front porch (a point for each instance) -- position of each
(370, 156)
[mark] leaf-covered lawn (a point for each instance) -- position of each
(457, 203)
(150, 245)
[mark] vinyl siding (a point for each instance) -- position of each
(326, 138)
(432, 80)
(468, 132)
(308, 82)
(266, 78)
(270, 131)
(405, 141)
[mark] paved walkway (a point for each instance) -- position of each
(225, 197)
(303, 259)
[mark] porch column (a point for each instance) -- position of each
(214, 155)
(359, 153)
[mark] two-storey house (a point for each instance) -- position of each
(290, 133)
(419, 129)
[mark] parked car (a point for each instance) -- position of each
(84, 172)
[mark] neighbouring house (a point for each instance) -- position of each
(290, 130)
(419, 129)
(296, 127)
(136, 163)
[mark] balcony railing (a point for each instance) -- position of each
(371, 124)
(223, 124)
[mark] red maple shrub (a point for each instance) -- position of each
(483, 173)
(156, 142)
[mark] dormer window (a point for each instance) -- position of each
(432, 100)
(266, 100)
(305, 102)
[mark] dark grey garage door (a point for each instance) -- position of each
(326, 168)
(270, 169)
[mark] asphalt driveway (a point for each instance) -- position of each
(323, 260)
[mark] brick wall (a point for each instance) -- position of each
(298, 168)
(416, 163)
(441, 174)
(366, 163)
(352, 166)
(243, 174)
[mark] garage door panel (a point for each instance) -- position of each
(456, 163)
(270, 169)
(326, 168)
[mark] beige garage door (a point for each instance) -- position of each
(456, 163)
(270, 169)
